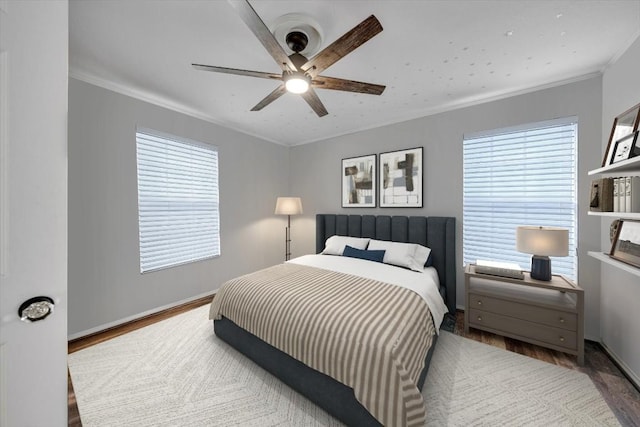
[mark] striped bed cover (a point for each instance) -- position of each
(369, 335)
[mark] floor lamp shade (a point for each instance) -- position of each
(288, 206)
(542, 242)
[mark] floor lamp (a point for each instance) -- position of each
(288, 206)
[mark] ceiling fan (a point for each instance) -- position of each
(299, 74)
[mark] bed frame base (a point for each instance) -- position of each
(331, 395)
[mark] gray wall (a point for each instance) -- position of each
(620, 297)
(105, 284)
(315, 168)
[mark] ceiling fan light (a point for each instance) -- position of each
(297, 84)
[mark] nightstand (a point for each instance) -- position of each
(548, 314)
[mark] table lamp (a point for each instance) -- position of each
(288, 206)
(542, 242)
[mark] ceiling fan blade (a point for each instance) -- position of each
(314, 102)
(349, 42)
(277, 93)
(323, 82)
(249, 73)
(258, 27)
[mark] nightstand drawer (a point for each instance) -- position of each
(522, 329)
(545, 316)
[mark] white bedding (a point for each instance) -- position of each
(425, 283)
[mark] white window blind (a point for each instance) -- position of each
(524, 176)
(177, 200)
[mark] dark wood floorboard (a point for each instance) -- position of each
(619, 393)
(74, 415)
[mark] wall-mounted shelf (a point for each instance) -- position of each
(608, 260)
(625, 167)
(624, 215)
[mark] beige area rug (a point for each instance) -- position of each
(178, 373)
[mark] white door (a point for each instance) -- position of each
(33, 210)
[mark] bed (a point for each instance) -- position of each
(343, 393)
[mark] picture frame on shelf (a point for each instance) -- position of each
(401, 178)
(626, 244)
(613, 229)
(359, 182)
(625, 148)
(623, 125)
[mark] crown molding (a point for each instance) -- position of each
(463, 104)
(180, 108)
(159, 101)
(622, 50)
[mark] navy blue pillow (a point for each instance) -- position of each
(376, 256)
(429, 262)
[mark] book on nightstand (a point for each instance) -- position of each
(502, 269)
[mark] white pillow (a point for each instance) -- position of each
(421, 255)
(335, 244)
(397, 253)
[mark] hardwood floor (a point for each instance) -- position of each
(621, 396)
(74, 415)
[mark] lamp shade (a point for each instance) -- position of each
(545, 241)
(288, 206)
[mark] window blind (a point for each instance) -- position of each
(178, 209)
(519, 177)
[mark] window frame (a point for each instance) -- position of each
(198, 197)
(506, 254)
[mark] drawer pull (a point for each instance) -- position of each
(479, 302)
(480, 318)
(561, 320)
(561, 339)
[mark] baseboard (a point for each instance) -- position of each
(135, 317)
(624, 368)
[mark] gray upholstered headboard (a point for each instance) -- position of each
(437, 233)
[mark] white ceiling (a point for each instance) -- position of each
(433, 56)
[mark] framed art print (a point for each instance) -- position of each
(625, 148)
(359, 182)
(626, 243)
(623, 125)
(401, 179)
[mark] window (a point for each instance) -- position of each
(519, 176)
(177, 200)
